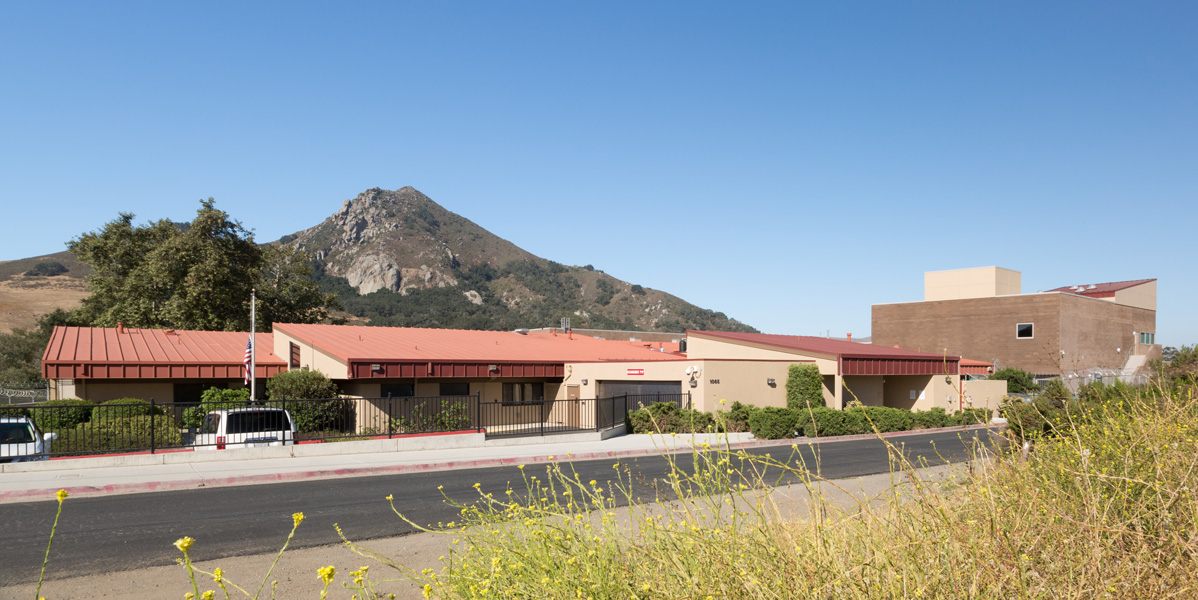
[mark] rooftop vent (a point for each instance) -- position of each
(521, 331)
(1092, 287)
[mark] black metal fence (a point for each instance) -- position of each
(126, 427)
(547, 417)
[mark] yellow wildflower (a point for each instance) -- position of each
(208, 595)
(184, 544)
(61, 495)
(218, 575)
(297, 518)
(326, 574)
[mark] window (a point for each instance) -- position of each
(1147, 337)
(295, 355)
(397, 390)
(1024, 331)
(523, 392)
(455, 389)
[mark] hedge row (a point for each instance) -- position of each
(777, 423)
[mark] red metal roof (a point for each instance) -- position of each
(819, 345)
(1101, 290)
(360, 343)
(853, 358)
(105, 352)
(975, 367)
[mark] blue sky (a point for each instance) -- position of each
(786, 163)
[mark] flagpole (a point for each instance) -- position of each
(253, 346)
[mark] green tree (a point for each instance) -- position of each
(804, 387)
(21, 350)
(195, 275)
(287, 290)
(1018, 380)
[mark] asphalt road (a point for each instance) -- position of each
(122, 532)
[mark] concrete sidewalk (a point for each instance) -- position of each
(24, 482)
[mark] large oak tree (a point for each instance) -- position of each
(195, 275)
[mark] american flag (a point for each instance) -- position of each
(249, 355)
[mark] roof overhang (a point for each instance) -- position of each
(69, 370)
(380, 369)
(872, 365)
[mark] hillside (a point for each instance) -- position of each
(24, 298)
(399, 258)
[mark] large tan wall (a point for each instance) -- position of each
(866, 389)
(981, 282)
(1140, 296)
(985, 393)
(742, 381)
(928, 390)
(309, 356)
(699, 348)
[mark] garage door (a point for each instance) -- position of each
(610, 389)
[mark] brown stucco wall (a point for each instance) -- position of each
(1097, 333)
(1089, 330)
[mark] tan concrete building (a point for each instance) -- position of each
(1089, 330)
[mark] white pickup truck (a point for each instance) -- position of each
(245, 428)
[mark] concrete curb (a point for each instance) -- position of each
(191, 483)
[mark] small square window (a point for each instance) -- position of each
(1024, 331)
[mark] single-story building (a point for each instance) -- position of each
(106, 363)
(505, 368)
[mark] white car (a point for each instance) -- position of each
(20, 440)
(245, 428)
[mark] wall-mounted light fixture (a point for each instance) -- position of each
(584, 382)
(376, 367)
(770, 382)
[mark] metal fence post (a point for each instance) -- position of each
(152, 411)
(390, 412)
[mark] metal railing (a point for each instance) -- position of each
(548, 417)
(126, 427)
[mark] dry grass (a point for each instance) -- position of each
(1103, 510)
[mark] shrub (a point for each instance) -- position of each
(931, 418)
(972, 416)
(7, 410)
(123, 407)
(824, 422)
(62, 414)
(1055, 392)
(120, 433)
(47, 269)
(215, 399)
(450, 416)
(885, 419)
(336, 414)
(804, 387)
(1029, 420)
(665, 417)
(736, 420)
(772, 423)
(1018, 380)
(294, 385)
